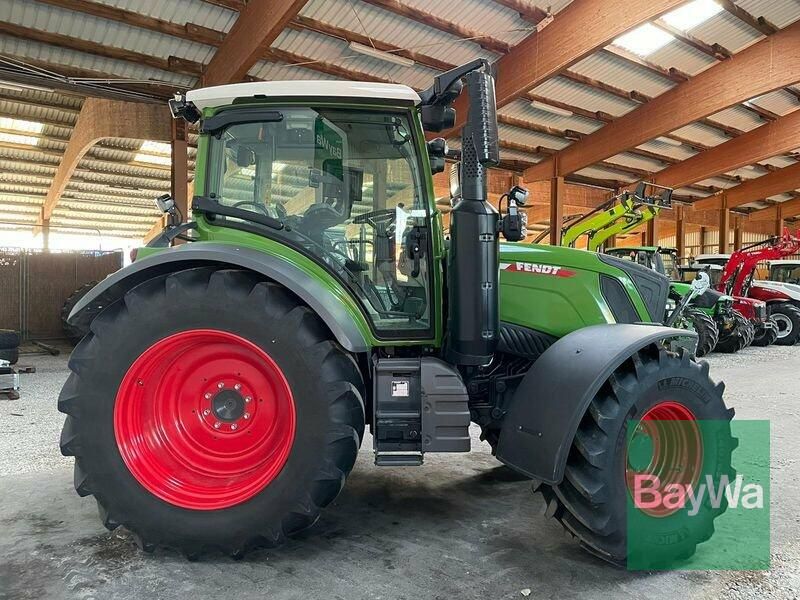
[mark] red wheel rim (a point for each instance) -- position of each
(675, 460)
(204, 419)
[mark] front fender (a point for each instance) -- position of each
(555, 393)
(330, 308)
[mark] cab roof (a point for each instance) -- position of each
(222, 95)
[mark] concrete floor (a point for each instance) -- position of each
(459, 527)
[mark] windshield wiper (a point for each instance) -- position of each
(209, 205)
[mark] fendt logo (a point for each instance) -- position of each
(536, 268)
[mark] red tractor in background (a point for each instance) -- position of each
(738, 279)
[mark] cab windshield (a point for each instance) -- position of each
(346, 188)
(785, 273)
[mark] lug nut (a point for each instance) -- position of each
(206, 412)
(220, 385)
(246, 415)
(217, 425)
(237, 387)
(248, 399)
(207, 396)
(233, 427)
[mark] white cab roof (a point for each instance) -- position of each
(784, 262)
(707, 256)
(225, 94)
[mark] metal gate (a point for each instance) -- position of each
(34, 285)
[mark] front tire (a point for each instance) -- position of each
(787, 316)
(175, 462)
(706, 329)
(738, 338)
(767, 336)
(591, 502)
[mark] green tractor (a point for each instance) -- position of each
(686, 307)
(222, 392)
(732, 328)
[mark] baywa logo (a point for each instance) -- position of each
(695, 490)
(649, 494)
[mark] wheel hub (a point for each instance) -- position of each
(204, 419)
(228, 405)
(784, 324)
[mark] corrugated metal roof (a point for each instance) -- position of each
(531, 138)
(780, 13)
(198, 12)
(25, 49)
(682, 57)
(780, 102)
(727, 31)
(637, 162)
(584, 97)
(389, 27)
(336, 52)
(738, 117)
(603, 173)
(610, 69)
(522, 109)
(696, 132)
(479, 15)
(681, 152)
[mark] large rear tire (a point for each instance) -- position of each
(738, 338)
(706, 329)
(591, 502)
(73, 333)
(787, 316)
(211, 409)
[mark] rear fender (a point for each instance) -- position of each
(311, 290)
(555, 393)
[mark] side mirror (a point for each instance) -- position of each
(701, 283)
(244, 157)
(165, 203)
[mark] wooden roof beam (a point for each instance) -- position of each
(705, 94)
(758, 144)
(257, 26)
(100, 119)
(576, 32)
(778, 182)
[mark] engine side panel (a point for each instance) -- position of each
(557, 290)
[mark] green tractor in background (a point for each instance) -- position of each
(731, 317)
(222, 392)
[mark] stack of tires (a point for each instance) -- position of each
(9, 345)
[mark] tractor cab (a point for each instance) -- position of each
(662, 260)
(339, 183)
(785, 271)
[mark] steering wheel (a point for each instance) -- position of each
(377, 217)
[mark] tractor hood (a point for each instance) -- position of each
(790, 289)
(556, 290)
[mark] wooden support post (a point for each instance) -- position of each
(610, 242)
(724, 225)
(702, 240)
(680, 232)
(652, 233)
(643, 237)
(180, 168)
(737, 234)
(779, 222)
(557, 193)
(46, 234)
